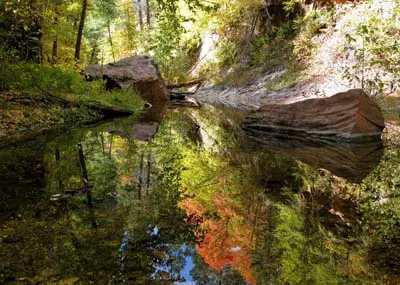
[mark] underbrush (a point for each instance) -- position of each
(38, 81)
(375, 48)
(287, 46)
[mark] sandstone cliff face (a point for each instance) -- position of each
(139, 72)
(350, 115)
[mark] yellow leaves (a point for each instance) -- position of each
(74, 7)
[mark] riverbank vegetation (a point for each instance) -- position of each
(216, 41)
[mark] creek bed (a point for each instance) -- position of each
(196, 203)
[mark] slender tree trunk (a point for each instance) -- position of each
(148, 12)
(128, 26)
(54, 51)
(111, 145)
(102, 63)
(140, 14)
(102, 143)
(110, 39)
(80, 31)
(55, 40)
(249, 39)
(94, 50)
(58, 157)
(148, 173)
(140, 178)
(93, 53)
(86, 184)
(85, 176)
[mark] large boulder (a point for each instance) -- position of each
(349, 116)
(139, 72)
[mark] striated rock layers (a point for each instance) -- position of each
(348, 116)
(139, 72)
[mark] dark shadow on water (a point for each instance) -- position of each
(352, 161)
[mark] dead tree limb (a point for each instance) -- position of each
(186, 84)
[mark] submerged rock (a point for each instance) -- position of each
(349, 116)
(139, 72)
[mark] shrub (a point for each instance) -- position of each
(38, 80)
(377, 53)
(307, 28)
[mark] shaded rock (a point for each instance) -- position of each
(350, 116)
(139, 72)
(145, 131)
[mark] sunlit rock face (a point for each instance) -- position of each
(349, 116)
(139, 72)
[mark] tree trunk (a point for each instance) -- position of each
(249, 39)
(80, 31)
(128, 26)
(58, 157)
(85, 176)
(111, 146)
(148, 173)
(110, 39)
(102, 143)
(140, 178)
(148, 12)
(88, 187)
(93, 53)
(55, 40)
(140, 14)
(54, 51)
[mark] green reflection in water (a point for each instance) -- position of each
(199, 204)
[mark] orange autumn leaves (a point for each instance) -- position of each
(225, 239)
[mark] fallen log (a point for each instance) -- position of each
(185, 84)
(109, 111)
(71, 193)
(180, 95)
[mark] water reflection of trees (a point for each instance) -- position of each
(252, 216)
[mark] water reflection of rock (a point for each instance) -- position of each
(149, 122)
(351, 161)
(146, 127)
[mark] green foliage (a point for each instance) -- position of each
(377, 53)
(382, 206)
(126, 98)
(290, 5)
(307, 27)
(39, 80)
(20, 28)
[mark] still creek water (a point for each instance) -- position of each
(198, 204)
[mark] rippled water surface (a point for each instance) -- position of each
(199, 204)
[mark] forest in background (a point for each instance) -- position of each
(188, 38)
